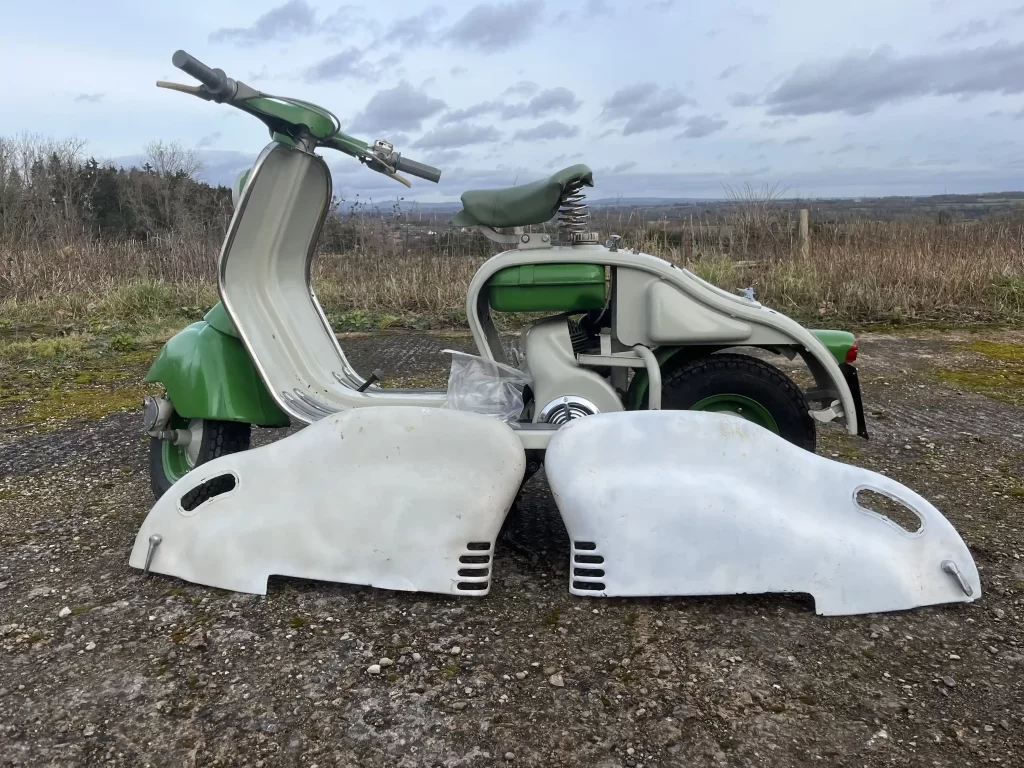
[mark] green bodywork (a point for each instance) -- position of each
(547, 288)
(218, 317)
(520, 206)
(738, 405)
(208, 375)
(837, 342)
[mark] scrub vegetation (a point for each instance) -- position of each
(88, 248)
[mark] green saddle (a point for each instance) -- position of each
(520, 206)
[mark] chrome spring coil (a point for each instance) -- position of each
(573, 213)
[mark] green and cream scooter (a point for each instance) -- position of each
(624, 330)
(406, 490)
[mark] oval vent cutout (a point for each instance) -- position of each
(890, 508)
(212, 488)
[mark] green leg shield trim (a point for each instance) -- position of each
(209, 375)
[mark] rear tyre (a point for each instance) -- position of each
(168, 463)
(743, 386)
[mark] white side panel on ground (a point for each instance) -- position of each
(692, 503)
(405, 498)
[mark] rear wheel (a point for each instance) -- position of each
(742, 386)
(168, 462)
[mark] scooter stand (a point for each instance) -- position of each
(508, 540)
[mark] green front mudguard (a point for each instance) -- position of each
(208, 375)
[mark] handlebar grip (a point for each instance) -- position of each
(214, 79)
(418, 169)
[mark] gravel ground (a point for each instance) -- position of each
(101, 666)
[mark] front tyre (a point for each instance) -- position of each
(743, 386)
(168, 462)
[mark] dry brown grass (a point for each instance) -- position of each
(855, 271)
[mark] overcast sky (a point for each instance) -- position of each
(670, 98)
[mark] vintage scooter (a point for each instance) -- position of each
(627, 330)
(406, 490)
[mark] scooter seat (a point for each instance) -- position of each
(523, 205)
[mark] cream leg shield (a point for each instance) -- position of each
(402, 498)
(692, 503)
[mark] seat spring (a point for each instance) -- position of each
(573, 212)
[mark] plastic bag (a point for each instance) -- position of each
(484, 386)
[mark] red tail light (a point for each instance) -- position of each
(851, 353)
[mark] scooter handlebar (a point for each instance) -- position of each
(422, 170)
(218, 83)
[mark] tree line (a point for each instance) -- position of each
(51, 192)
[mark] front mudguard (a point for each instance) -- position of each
(208, 375)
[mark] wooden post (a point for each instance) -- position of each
(805, 237)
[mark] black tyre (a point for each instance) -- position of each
(743, 386)
(168, 463)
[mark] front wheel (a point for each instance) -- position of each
(743, 386)
(168, 462)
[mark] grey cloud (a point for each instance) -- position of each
(494, 27)
(743, 100)
(415, 30)
(476, 110)
(859, 83)
(660, 112)
(777, 122)
(399, 108)
(551, 129)
(293, 19)
(348, 63)
(591, 10)
(660, 5)
(623, 167)
(606, 134)
(798, 140)
(645, 107)
(522, 88)
(552, 100)
(626, 99)
(562, 160)
(209, 140)
(728, 72)
(699, 126)
(458, 71)
(442, 157)
(92, 98)
(448, 136)
(969, 29)
(544, 103)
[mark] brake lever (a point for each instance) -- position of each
(192, 90)
(374, 164)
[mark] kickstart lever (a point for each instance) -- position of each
(375, 375)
